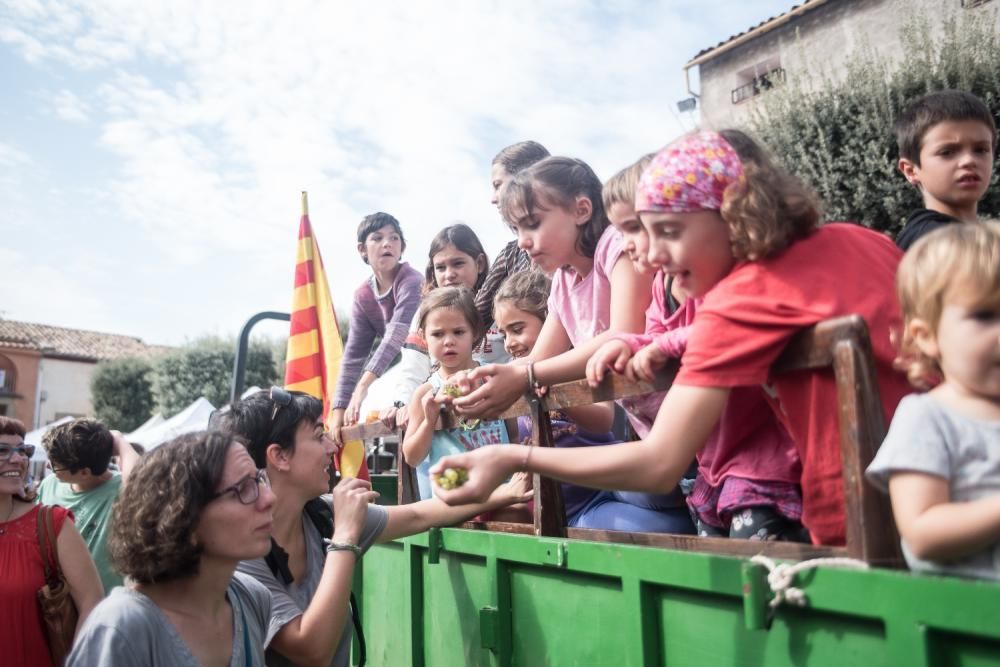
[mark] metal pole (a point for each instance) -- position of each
(240, 362)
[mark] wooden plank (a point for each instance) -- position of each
(716, 545)
(549, 513)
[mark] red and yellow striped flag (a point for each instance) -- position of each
(314, 344)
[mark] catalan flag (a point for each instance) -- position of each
(314, 344)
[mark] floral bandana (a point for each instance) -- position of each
(691, 174)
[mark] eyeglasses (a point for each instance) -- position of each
(53, 469)
(280, 398)
(7, 451)
(247, 490)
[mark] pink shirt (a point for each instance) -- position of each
(583, 306)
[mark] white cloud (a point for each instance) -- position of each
(218, 114)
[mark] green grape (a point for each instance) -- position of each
(452, 390)
(451, 478)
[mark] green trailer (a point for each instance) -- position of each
(543, 594)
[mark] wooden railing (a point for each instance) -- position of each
(840, 345)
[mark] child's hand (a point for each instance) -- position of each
(613, 355)
(517, 490)
(432, 408)
(646, 362)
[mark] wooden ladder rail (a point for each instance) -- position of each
(840, 344)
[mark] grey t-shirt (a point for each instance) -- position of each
(290, 601)
(127, 628)
(929, 437)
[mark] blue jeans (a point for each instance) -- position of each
(635, 512)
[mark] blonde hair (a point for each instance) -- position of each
(459, 298)
(962, 256)
(620, 188)
(770, 208)
(527, 291)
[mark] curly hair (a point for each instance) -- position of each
(465, 240)
(250, 420)
(963, 257)
(527, 291)
(559, 181)
(155, 516)
(459, 298)
(79, 445)
(770, 208)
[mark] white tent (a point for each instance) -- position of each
(192, 418)
(155, 420)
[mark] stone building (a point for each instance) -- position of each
(816, 37)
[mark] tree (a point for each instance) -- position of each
(122, 391)
(204, 368)
(838, 137)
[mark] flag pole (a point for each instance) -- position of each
(305, 203)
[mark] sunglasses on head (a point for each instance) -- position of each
(281, 399)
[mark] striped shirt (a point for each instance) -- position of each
(511, 260)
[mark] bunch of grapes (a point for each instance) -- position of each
(451, 478)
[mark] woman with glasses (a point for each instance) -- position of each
(309, 577)
(193, 508)
(22, 572)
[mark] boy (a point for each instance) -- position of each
(81, 481)
(946, 143)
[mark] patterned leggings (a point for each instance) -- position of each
(758, 523)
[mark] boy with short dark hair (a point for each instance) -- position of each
(946, 144)
(79, 455)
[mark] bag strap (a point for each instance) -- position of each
(43, 526)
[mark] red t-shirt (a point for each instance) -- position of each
(747, 318)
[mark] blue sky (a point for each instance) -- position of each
(152, 154)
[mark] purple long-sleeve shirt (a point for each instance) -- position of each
(372, 315)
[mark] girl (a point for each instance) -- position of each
(383, 307)
(520, 308)
(556, 207)
(743, 234)
(511, 259)
(192, 509)
(21, 627)
(451, 326)
(940, 460)
(747, 482)
(456, 259)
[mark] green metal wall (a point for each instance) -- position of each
(497, 599)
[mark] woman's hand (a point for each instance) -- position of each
(613, 355)
(351, 497)
(491, 389)
(487, 467)
(646, 362)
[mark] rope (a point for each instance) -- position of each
(781, 575)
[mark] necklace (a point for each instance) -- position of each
(3, 529)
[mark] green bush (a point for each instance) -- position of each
(837, 134)
(205, 368)
(122, 391)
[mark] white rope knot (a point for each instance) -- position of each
(780, 576)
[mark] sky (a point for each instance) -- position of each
(152, 153)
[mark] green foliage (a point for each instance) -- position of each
(836, 134)
(205, 368)
(122, 391)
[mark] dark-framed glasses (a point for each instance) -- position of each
(7, 451)
(247, 490)
(281, 399)
(54, 469)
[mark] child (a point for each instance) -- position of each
(456, 259)
(557, 210)
(946, 142)
(747, 483)
(383, 307)
(451, 326)
(511, 259)
(766, 271)
(941, 457)
(520, 307)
